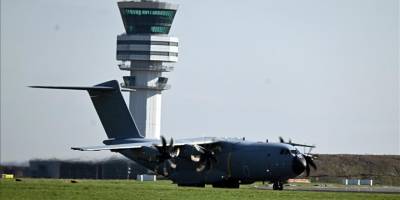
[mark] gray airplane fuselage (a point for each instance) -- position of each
(241, 161)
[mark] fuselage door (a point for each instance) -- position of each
(246, 172)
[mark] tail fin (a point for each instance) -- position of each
(111, 109)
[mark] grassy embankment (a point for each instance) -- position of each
(109, 189)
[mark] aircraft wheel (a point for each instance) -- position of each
(277, 185)
(234, 184)
(192, 185)
(227, 184)
(280, 186)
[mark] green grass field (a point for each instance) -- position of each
(109, 189)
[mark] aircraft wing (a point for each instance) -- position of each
(112, 147)
(136, 145)
(193, 141)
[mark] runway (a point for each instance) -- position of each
(327, 188)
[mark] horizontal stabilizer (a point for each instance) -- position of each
(111, 108)
(92, 88)
(112, 147)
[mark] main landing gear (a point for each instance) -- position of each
(226, 184)
(277, 185)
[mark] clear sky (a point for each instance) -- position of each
(319, 72)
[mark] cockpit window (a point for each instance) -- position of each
(295, 151)
(285, 152)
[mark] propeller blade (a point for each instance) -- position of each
(175, 153)
(166, 155)
(204, 157)
(171, 143)
(195, 158)
(307, 170)
(201, 168)
(281, 139)
(311, 161)
(171, 164)
(199, 148)
(309, 151)
(163, 142)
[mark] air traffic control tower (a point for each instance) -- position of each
(146, 51)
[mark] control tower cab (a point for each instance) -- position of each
(146, 51)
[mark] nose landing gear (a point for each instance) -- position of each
(277, 185)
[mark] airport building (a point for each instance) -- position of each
(66, 169)
(147, 52)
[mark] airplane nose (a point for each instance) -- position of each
(299, 164)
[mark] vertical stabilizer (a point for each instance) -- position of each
(113, 112)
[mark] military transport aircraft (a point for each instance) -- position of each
(224, 163)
